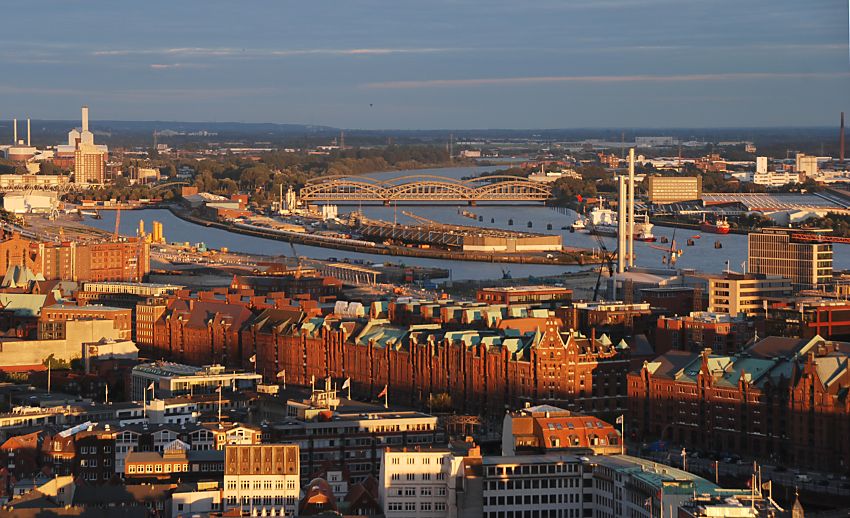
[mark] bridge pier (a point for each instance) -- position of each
(472, 203)
(386, 203)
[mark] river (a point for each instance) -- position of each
(701, 256)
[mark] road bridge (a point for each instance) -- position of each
(424, 188)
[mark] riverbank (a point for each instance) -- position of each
(562, 259)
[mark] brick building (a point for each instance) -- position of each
(510, 295)
(723, 333)
(675, 300)
(808, 318)
(127, 260)
(480, 370)
(86, 453)
(782, 399)
(53, 318)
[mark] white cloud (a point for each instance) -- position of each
(730, 76)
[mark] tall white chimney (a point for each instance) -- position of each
(631, 232)
(622, 201)
(15, 132)
(85, 118)
(28, 131)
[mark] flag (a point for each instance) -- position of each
(620, 420)
(579, 198)
(346, 383)
(253, 358)
(150, 387)
(383, 392)
(647, 502)
(281, 374)
(218, 389)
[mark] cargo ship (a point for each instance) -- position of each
(720, 226)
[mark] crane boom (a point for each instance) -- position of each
(117, 224)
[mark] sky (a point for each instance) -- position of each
(435, 64)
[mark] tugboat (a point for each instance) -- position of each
(720, 226)
(578, 224)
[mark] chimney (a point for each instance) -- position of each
(15, 132)
(85, 118)
(841, 139)
(28, 131)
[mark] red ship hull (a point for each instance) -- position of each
(714, 229)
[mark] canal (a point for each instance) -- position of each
(703, 255)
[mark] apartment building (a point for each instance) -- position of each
(415, 482)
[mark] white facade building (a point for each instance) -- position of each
(776, 178)
(415, 483)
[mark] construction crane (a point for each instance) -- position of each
(607, 259)
(117, 224)
(816, 238)
(298, 260)
(672, 253)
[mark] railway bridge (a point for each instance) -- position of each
(424, 188)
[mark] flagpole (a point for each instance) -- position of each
(386, 397)
(349, 388)
(219, 405)
(107, 393)
(145, 402)
(284, 379)
(48, 375)
(622, 435)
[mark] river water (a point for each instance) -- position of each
(702, 255)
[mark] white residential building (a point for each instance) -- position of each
(262, 479)
(776, 178)
(415, 483)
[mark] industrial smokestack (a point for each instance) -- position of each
(841, 139)
(622, 201)
(85, 118)
(15, 132)
(630, 235)
(28, 131)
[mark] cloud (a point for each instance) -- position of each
(169, 66)
(640, 78)
(246, 52)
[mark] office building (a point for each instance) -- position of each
(174, 379)
(262, 478)
(776, 178)
(673, 189)
(353, 435)
(796, 254)
(745, 294)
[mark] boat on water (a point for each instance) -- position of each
(578, 225)
(643, 229)
(720, 226)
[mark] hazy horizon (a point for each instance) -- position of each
(438, 65)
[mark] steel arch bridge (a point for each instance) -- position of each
(422, 188)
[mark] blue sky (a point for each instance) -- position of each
(416, 64)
